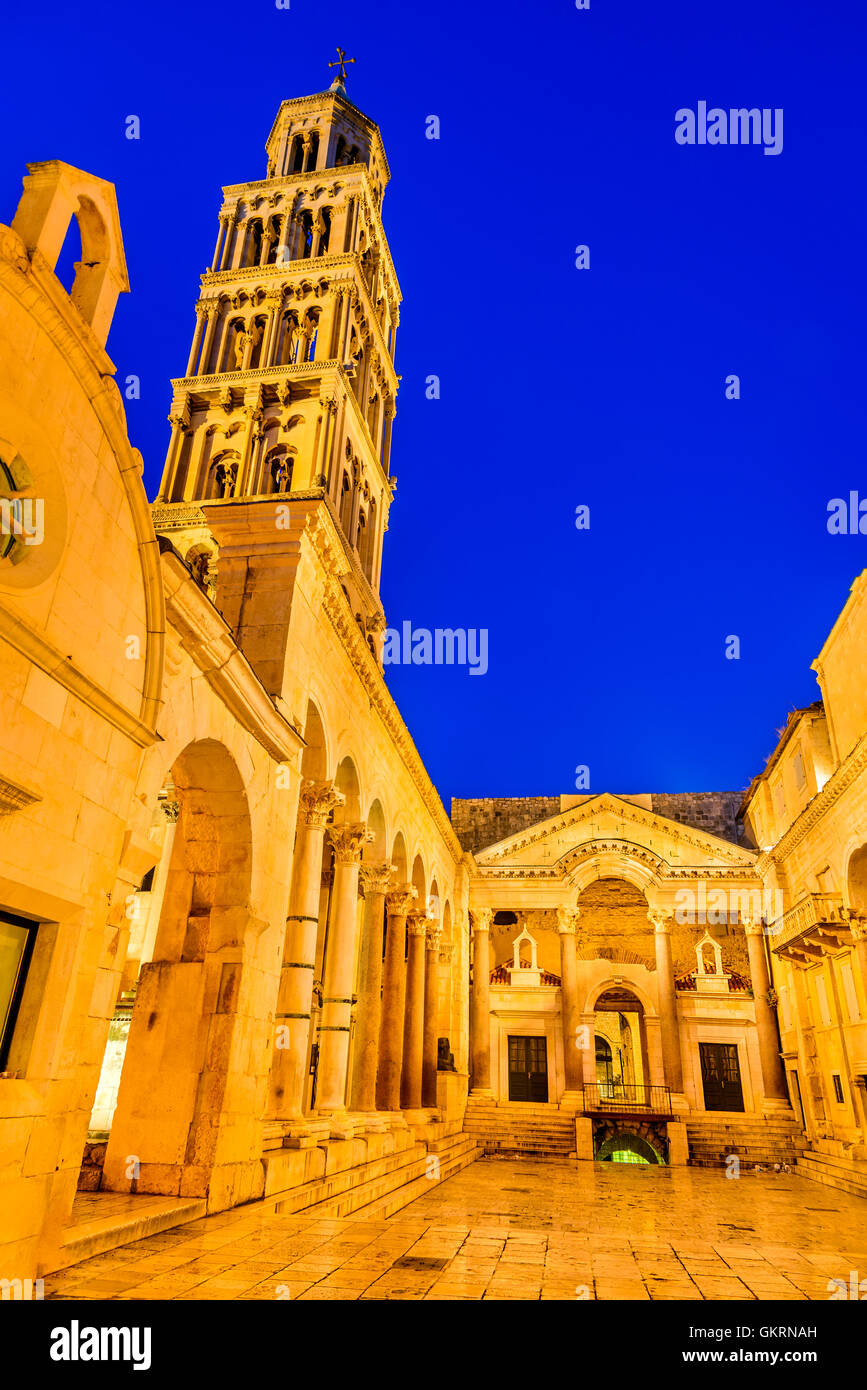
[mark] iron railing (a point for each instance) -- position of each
(620, 1098)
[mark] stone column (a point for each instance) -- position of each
(197, 339)
(375, 882)
(227, 244)
(480, 1004)
(292, 1019)
(670, 1036)
(413, 1021)
(347, 842)
(213, 312)
(398, 903)
(773, 1073)
(431, 1016)
(570, 1008)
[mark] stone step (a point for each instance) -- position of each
(340, 1186)
(106, 1220)
(387, 1205)
(831, 1170)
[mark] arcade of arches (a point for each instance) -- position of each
(244, 951)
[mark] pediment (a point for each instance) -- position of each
(607, 826)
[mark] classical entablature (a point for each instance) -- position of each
(608, 837)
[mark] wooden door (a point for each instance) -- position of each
(528, 1069)
(721, 1076)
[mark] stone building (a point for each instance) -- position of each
(244, 951)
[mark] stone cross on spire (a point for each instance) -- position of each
(342, 60)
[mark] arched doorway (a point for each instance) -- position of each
(622, 1069)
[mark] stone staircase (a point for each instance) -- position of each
(753, 1138)
(512, 1127)
(836, 1170)
(373, 1176)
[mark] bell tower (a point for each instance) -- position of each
(289, 391)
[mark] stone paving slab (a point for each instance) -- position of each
(513, 1230)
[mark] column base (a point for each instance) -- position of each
(420, 1117)
(372, 1122)
(303, 1133)
(482, 1093)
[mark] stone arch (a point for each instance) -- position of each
(399, 858)
(54, 194)
(610, 983)
(855, 890)
(447, 922)
(607, 864)
(347, 782)
(187, 1032)
(315, 761)
(631, 1143)
(375, 851)
(418, 880)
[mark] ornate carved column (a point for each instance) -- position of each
(347, 842)
(570, 1006)
(431, 1015)
(480, 1004)
(670, 1035)
(773, 1074)
(413, 1022)
(398, 902)
(375, 882)
(292, 1019)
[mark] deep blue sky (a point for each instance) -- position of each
(559, 387)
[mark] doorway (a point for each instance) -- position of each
(721, 1076)
(528, 1070)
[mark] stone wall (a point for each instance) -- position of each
(713, 812)
(482, 821)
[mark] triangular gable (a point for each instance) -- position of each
(599, 825)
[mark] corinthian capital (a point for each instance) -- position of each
(400, 899)
(480, 918)
(661, 918)
(417, 923)
(347, 841)
(567, 920)
(317, 801)
(376, 878)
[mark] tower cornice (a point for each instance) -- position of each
(320, 101)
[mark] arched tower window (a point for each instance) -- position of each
(253, 249)
(296, 155)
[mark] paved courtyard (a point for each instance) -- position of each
(514, 1229)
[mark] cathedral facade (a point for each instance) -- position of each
(245, 950)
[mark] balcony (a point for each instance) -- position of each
(618, 1098)
(818, 923)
